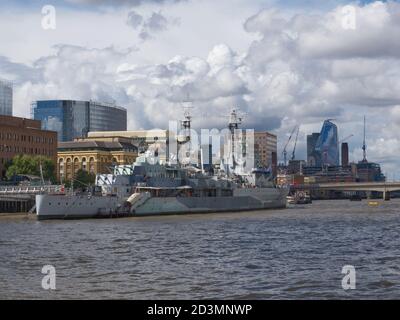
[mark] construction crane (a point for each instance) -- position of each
(284, 152)
(347, 138)
(364, 147)
(295, 143)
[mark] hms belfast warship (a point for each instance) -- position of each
(151, 187)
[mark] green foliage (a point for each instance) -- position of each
(83, 179)
(25, 164)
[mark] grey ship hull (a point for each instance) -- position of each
(243, 200)
(75, 207)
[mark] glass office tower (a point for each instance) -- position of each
(6, 98)
(313, 157)
(73, 119)
(104, 117)
(327, 144)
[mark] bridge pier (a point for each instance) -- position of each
(386, 195)
(370, 189)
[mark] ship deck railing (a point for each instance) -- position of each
(9, 190)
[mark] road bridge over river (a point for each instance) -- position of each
(384, 187)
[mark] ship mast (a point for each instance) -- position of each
(234, 122)
(186, 124)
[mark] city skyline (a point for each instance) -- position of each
(279, 64)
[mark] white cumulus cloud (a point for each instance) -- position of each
(299, 69)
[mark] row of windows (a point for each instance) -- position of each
(18, 149)
(67, 167)
(72, 167)
(18, 137)
(61, 160)
(102, 159)
(270, 145)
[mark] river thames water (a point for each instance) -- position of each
(297, 253)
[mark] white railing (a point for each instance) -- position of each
(5, 190)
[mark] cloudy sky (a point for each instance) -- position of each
(281, 62)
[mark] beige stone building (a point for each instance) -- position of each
(155, 139)
(95, 156)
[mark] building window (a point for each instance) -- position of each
(76, 165)
(68, 168)
(61, 167)
(91, 164)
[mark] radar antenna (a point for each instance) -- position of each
(234, 122)
(186, 124)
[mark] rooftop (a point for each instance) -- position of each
(92, 102)
(7, 83)
(130, 134)
(11, 121)
(93, 145)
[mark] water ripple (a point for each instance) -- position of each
(289, 254)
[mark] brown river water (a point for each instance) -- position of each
(296, 253)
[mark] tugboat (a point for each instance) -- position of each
(299, 198)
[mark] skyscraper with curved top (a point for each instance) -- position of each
(328, 145)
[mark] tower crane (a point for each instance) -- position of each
(295, 143)
(347, 138)
(284, 152)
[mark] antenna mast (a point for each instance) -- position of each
(186, 124)
(364, 147)
(234, 122)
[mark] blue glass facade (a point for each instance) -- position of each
(51, 114)
(72, 119)
(313, 157)
(328, 145)
(106, 118)
(6, 98)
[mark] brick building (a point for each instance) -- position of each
(265, 145)
(24, 136)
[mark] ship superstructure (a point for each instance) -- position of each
(151, 187)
